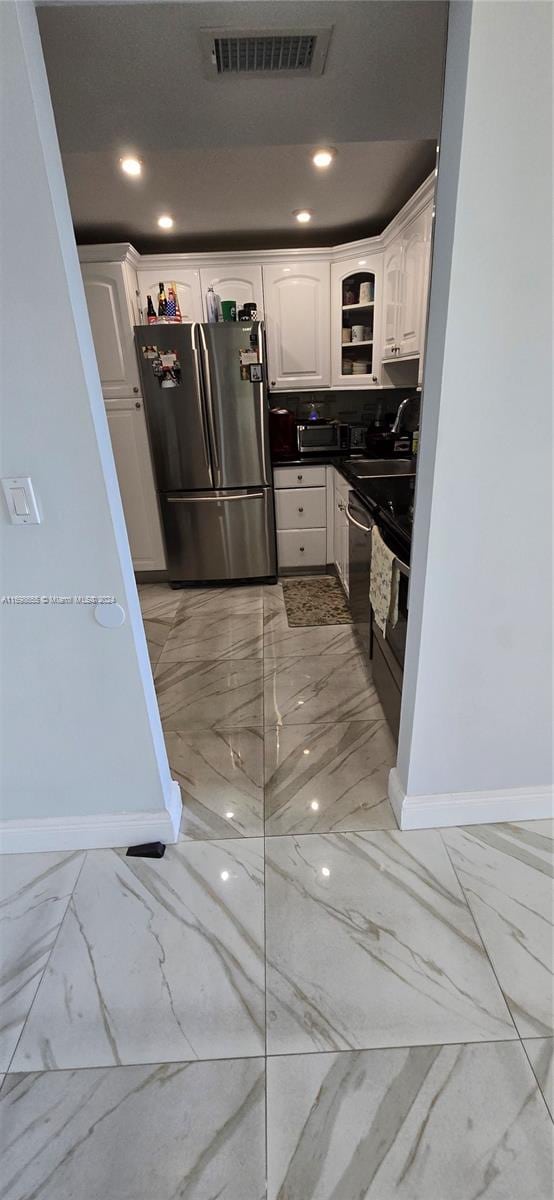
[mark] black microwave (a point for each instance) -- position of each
(322, 437)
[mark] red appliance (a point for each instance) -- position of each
(282, 433)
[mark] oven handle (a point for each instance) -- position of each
(353, 521)
(403, 567)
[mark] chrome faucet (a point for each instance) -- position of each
(409, 400)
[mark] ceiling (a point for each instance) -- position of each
(229, 158)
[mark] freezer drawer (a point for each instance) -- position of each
(220, 535)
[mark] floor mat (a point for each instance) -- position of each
(318, 601)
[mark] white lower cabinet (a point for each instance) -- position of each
(133, 464)
(340, 533)
(301, 517)
(296, 477)
(301, 508)
(301, 548)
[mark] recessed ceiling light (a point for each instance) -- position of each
(315, 805)
(224, 875)
(325, 871)
(323, 158)
(165, 222)
(303, 215)
(131, 166)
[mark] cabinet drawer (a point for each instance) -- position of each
(296, 477)
(301, 548)
(300, 508)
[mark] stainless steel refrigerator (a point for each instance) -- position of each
(206, 407)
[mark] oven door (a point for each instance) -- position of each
(395, 635)
(388, 652)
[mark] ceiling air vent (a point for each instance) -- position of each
(269, 52)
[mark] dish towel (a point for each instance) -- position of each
(383, 583)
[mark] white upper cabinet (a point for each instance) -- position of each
(188, 290)
(416, 244)
(406, 281)
(297, 309)
(392, 283)
(234, 281)
(356, 287)
(110, 290)
(133, 464)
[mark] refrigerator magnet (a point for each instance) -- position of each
(256, 372)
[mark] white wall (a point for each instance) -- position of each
(83, 758)
(477, 713)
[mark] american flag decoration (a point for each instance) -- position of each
(170, 310)
(173, 312)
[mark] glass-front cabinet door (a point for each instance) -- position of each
(356, 322)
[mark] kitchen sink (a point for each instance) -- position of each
(369, 468)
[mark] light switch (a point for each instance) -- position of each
(19, 497)
(21, 501)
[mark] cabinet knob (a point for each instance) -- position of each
(137, 403)
(300, 510)
(302, 549)
(135, 390)
(299, 476)
(273, 383)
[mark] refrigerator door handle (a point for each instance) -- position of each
(199, 391)
(262, 394)
(209, 406)
(214, 499)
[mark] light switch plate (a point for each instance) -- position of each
(21, 500)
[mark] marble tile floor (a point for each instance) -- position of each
(299, 1001)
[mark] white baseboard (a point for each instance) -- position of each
(468, 808)
(98, 831)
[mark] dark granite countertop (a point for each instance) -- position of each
(390, 499)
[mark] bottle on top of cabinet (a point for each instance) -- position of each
(213, 306)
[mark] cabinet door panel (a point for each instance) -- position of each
(297, 302)
(242, 283)
(111, 320)
(136, 483)
(188, 290)
(391, 299)
(411, 317)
